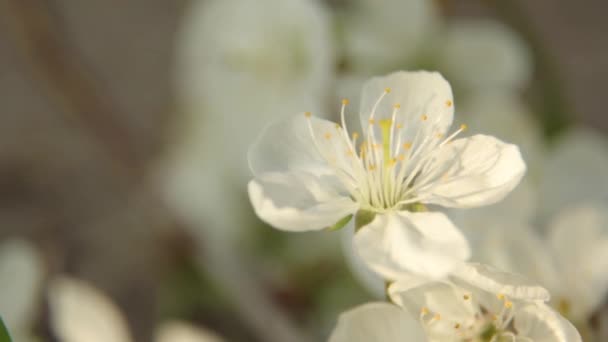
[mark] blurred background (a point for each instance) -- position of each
(125, 126)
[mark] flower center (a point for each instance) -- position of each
(481, 326)
(387, 168)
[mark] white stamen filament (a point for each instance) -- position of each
(386, 174)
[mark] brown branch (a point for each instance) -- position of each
(37, 34)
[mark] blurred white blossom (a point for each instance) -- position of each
(576, 171)
(21, 274)
(476, 302)
(571, 261)
(81, 313)
(482, 54)
(380, 35)
(311, 174)
(239, 65)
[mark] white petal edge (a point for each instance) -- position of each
(495, 281)
(299, 143)
(374, 283)
(542, 324)
(578, 238)
(21, 272)
(482, 171)
(299, 210)
(176, 331)
(426, 244)
(377, 322)
(81, 313)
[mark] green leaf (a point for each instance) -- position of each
(4, 335)
(341, 223)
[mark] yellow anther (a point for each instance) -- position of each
(345, 101)
(466, 297)
(355, 135)
(439, 135)
(508, 304)
(327, 135)
(338, 126)
(401, 157)
(407, 145)
(399, 126)
(307, 114)
(387, 90)
(350, 152)
(424, 117)
(444, 178)
(457, 326)
(437, 317)
(448, 103)
(500, 296)
(372, 167)
(397, 106)
(494, 317)
(424, 310)
(464, 127)
(372, 121)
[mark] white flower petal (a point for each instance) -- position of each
(288, 144)
(424, 243)
(21, 272)
(479, 170)
(369, 279)
(517, 248)
(505, 116)
(487, 278)
(377, 322)
(485, 53)
(182, 332)
(576, 172)
(435, 297)
(298, 202)
(579, 240)
(425, 100)
(540, 323)
(81, 313)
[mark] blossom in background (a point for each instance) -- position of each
(311, 173)
(238, 65)
(475, 303)
(21, 274)
(571, 260)
(560, 239)
(381, 35)
(482, 54)
(81, 313)
(576, 171)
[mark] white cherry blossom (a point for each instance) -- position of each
(571, 260)
(311, 173)
(476, 303)
(479, 303)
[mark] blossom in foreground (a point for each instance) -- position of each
(476, 303)
(571, 261)
(312, 174)
(81, 313)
